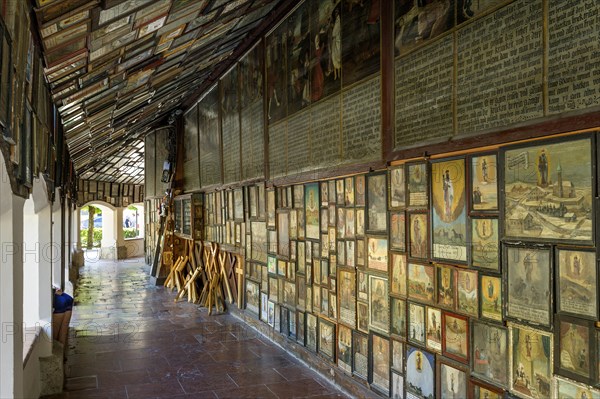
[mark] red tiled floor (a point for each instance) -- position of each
(137, 343)
(265, 376)
(258, 391)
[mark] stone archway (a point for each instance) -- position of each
(110, 230)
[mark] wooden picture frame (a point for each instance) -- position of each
(433, 329)
(528, 274)
(449, 210)
(467, 292)
(284, 321)
(360, 355)
(484, 247)
(480, 390)
(377, 218)
(300, 327)
(416, 323)
(327, 339)
(349, 191)
(421, 282)
(398, 275)
(339, 192)
(420, 372)
(253, 297)
(452, 379)
(418, 235)
(527, 346)
(261, 201)
(298, 196)
(283, 233)
(489, 353)
(350, 253)
(272, 241)
(560, 185)
(264, 306)
(273, 289)
(397, 181)
(332, 191)
(491, 297)
(289, 294)
(362, 286)
(360, 222)
(398, 317)
(311, 332)
(397, 359)
(292, 325)
(377, 254)
(564, 388)
(379, 310)
(350, 224)
(324, 308)
(271, 207)
(362, 316)
(324, 193)
(483, 187)
(324, 228)
(575, 349)
(417, 185)
(455, 336)
(238, 204)
(379, 363)
(344, 348)
(311, 208)
(360, 190)
(301, 293)
(249, 201)
(577, 282)
(398, 231)
(446, 286)
(271, 314)
(360, 253)
(397, 385)
(347, 297)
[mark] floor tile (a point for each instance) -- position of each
(130, 340)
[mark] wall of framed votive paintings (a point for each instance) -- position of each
(471, 275)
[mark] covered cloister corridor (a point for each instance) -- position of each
(129, 339)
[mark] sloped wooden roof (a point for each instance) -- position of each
(116, 67)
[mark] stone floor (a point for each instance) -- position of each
(130, 340)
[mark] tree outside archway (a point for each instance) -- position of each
(91, 236)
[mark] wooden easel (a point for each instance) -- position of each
(212, 292)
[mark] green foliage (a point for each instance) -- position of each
(131, 232)
(97, 238)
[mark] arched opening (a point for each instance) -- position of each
(115, 233)
(90, 227)
(98, 230)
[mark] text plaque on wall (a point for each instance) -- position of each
(424, 95)
(298, 132)
(252, 141)
(500, 68)
(574, 48)
(231, 148)
(361, 121)
(277, 149)
(325, 132)
(210, 139)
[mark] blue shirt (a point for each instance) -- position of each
(62, 303)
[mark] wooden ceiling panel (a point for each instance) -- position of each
(118, 67)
